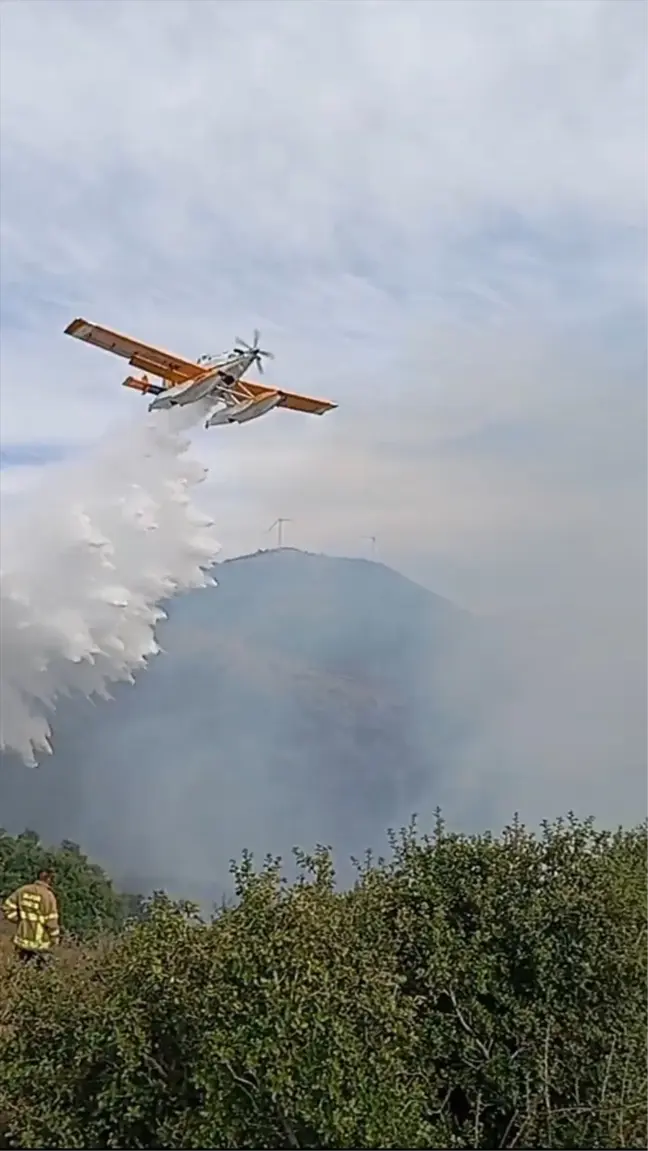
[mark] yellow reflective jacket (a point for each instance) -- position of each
(34, 908)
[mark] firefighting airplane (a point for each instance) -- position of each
(217, 378)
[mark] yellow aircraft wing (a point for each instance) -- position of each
(176, 370)
(293, 400)
(142, 356)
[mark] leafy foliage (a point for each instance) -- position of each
(469, 992)
(527, 959)
(88, 901)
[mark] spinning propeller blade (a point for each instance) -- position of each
(242, 348)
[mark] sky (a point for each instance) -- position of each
(436, 215)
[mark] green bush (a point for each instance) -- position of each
(469, 992)
(526, 958)
(88, 901)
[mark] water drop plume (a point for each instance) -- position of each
(88, 559)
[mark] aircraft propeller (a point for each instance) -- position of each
(243, 348)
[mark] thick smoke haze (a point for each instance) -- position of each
(507, 472)
(513, 484)
(436, 216)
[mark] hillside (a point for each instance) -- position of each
(301, 700)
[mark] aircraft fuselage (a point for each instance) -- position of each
(220, 376)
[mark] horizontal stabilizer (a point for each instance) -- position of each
(142, 386)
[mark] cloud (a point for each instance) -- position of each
(436, 213)
(346, 176)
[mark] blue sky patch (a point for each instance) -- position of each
(32, 455)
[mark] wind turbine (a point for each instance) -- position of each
(278, 524)
(372, 540)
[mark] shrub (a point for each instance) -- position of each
(526, 958)
(469, 992)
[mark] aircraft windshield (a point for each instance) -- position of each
(210, 358)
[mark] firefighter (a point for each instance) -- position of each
(34, 908)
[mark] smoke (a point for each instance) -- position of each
(507, 472)
(87, 561)
(513, 483)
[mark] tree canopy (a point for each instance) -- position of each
(88, 901)
(480, 992)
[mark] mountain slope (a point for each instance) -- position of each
(300, 700)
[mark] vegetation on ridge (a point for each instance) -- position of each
(483, 992)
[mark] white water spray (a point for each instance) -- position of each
(86, 563)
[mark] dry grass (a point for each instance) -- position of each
(69, 954)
